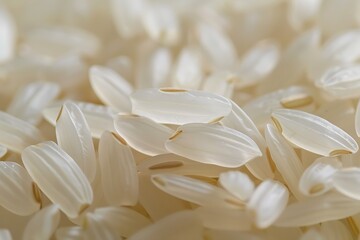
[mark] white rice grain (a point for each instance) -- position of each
(43, 224)
(313, 133)
(179, 106)
(19, 192)
(118, 171)
(213, 144)
(267, 203)
(143, 134)
(111, 88)
(74, 137)
(59, 177)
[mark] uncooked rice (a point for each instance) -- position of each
(173, 120)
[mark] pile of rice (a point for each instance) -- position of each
(187, 120)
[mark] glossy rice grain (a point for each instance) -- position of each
(118, 171)
(16, 134)
(142, 134)
(313, 133)
(213, 144)
(179, 106)
(58, 175)
(111, 88)
(18, 190)
(43, 224)
(74, 137)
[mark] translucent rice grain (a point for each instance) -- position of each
(171, 163)
(98, 192)
(98, 117)
(8, 33)
(195, 191)
(327, 207)
(213, 144)
(5, 234)
(143, 134)
(162, 24)
(335, 230)
(313, 133)
(118, 171)
(178, 106)
(295, 97)
(111, 88)
(18, 190)
(224, 54)
(237, 183)
(95, 228)
(16, 134)
(59, 177)
(257, 63)
(346, 181)
(124, 220)
(341, 82)
(241, 122)
(29, 102)
(188, 72)
(317, 179)
(180, 225)
(43, 224)
(221, 83)
(267, 203)
(166, 152)
(74, 137)
(157, 203)
(285, 159)
(224, 219)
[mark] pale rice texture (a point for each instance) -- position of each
(174, 120)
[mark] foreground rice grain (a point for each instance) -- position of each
(313, 133)
(142, 134)
(74, 137)
(59, 177)
(43, 224)
(179, 106)
(267, 203)
(213, 144)
(17, 189)
(118, 171)
(111, 88)
(195, 191)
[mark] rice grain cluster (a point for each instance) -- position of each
(180, 120)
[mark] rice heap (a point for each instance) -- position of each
(164, 120)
